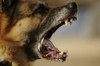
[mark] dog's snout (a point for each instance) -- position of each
(72, 5)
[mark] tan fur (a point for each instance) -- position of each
(12, 51)
(3, 23)
(16, 34)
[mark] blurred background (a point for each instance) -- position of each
(82, 39)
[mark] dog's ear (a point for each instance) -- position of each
(7, 3)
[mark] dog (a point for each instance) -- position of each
(26, 27)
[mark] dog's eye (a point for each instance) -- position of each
(41, 5)
(42, 9)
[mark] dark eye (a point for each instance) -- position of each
(41, 5)
(42, 9)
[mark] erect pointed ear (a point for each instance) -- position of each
(7, 3)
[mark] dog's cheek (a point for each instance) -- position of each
(21, 29)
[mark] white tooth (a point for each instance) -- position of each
(64, 55)
(46, 45)
(39, 45)
(66, 22)
(56, 59)
(61, 53)
(71, 21)
(60, 60)
(42, 40)
(49, 47)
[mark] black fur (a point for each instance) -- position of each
(9, 6)
(42, 9)
(5, 63)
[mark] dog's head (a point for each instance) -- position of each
(32, 23)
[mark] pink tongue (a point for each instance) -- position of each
(53, 54)
(50, 44)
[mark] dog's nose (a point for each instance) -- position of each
(72, 5)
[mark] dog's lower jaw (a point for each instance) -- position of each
(32, 51)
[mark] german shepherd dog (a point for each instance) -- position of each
(26, 27)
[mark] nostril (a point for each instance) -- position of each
(72, 5)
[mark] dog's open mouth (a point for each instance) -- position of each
(46, 47)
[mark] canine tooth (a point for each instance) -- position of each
(56, 59)
(60, 60)
(64, 54)
(42, 40)
(39, 45)
(66, 22)
(61, 53)
(71, 21)
(49, 47)
(45, 45)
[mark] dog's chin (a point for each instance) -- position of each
(46, 48)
